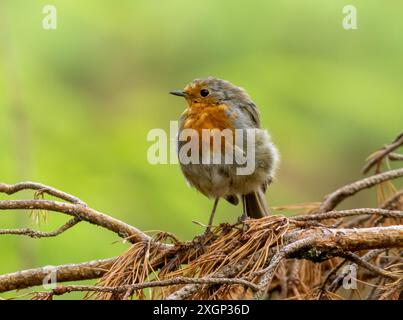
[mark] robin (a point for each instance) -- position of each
(215, 104)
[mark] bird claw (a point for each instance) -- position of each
(206, 233)
(241, 220)
(202, 239)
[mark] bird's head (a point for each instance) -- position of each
(212, 91)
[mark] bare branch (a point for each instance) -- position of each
(69, 272)
(396, 157)
(83, 213)
(331, 242)
(376, 160)
(329, 276)
(39, 234)
(348, 213)
(11, 189)
(361, 262)
(390, 203)
(367, 257)
(268, 272)
(175, 281)
(334, 198)
(316, 245)
(325, 244)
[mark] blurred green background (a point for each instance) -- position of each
(76, 104)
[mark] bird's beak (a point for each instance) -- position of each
(179, 93)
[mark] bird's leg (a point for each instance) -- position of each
(210, 222)
(204, 236)
(244, 216)
(244, 213)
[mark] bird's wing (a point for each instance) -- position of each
(253, 111)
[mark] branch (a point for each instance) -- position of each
(162, 283)
(391, 202)
(39, 234)
(69, 272)
(361, 262)
(331, 242)
(319, 245)
(76, 208)
(338, 280)
(268, 272)
(41, 188)
(83, 213)
(396, 157)
(376, 160)
(333, 199)
(348, 213)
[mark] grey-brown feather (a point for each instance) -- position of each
(256, 204)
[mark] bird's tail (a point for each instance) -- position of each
(256, 204)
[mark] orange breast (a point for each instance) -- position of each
(200, 116)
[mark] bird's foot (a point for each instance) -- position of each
(203, 239)
(241, 220)
(207, 232)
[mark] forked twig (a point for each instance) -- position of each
(380, 155)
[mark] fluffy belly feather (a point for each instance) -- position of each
(221, 180)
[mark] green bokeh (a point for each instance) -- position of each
(76, 104)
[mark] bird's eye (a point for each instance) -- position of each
(204, 92)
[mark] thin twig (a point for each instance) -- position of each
(390, 202)
(162, 283)
(333, 287)
(349, 213)
(334, 198)
(268, 273)
(395, 157)
(39, 234)
(82, 212)
(398, 142)
(329, 276)
(14, 188)
(363, 263)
